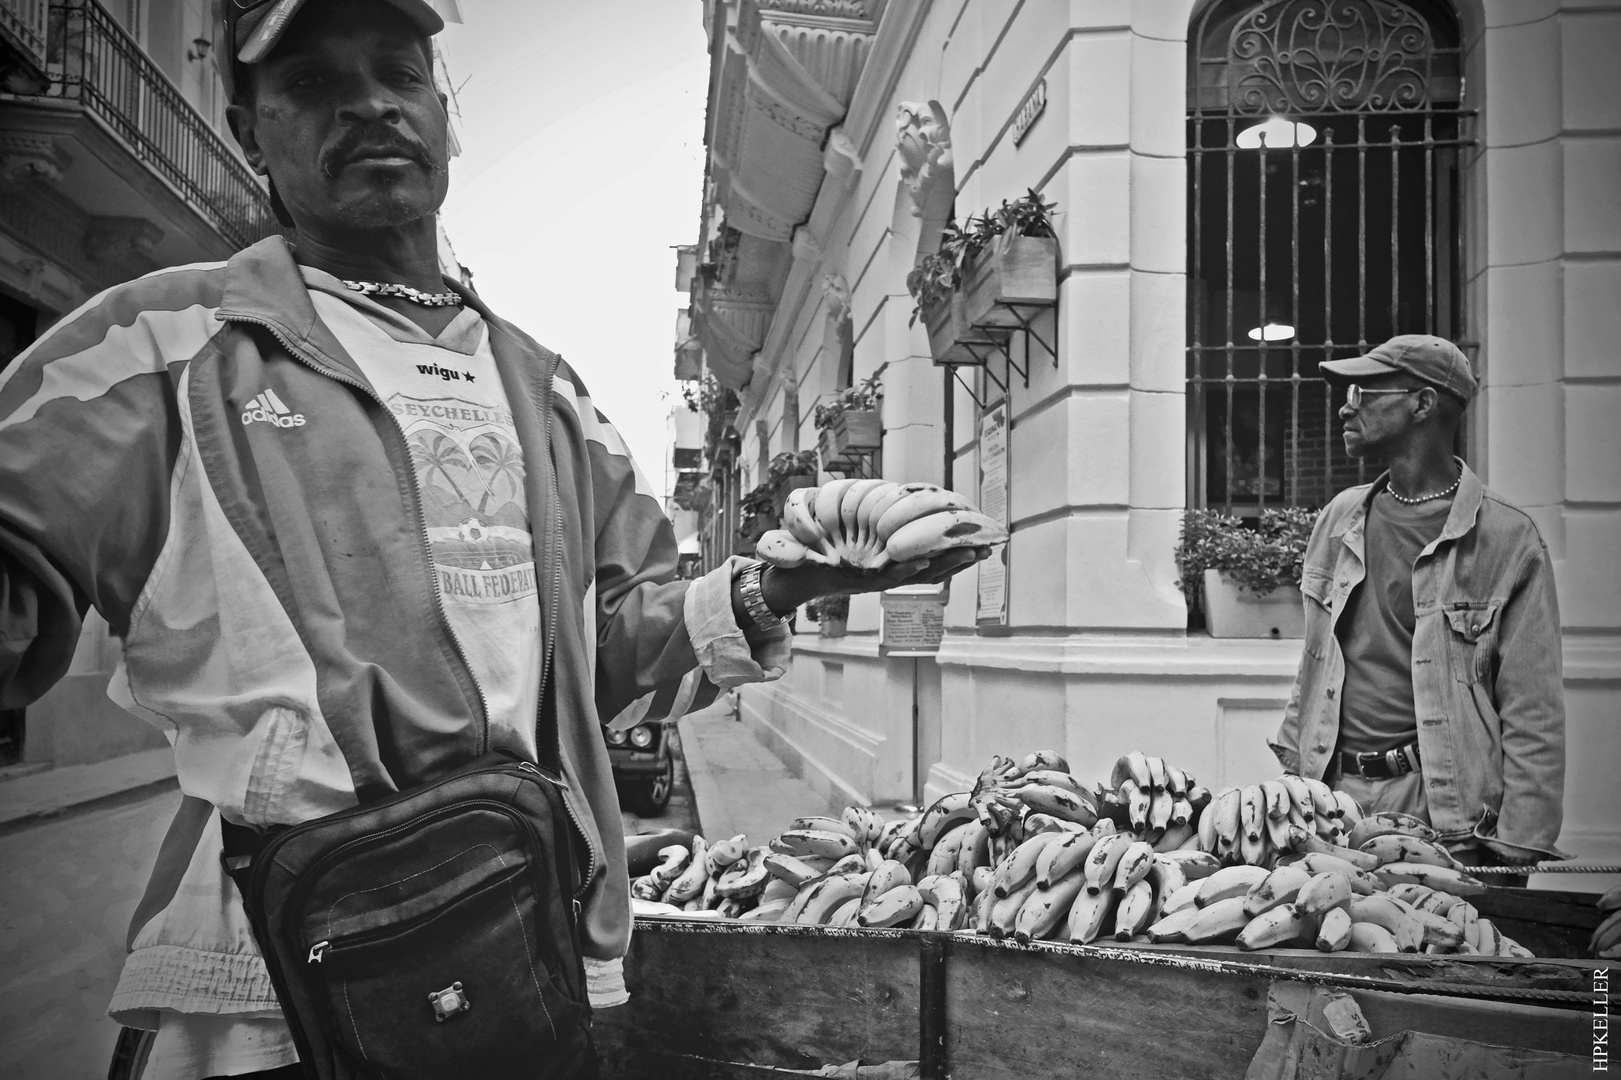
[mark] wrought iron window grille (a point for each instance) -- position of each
(1367, 97)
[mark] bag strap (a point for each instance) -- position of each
(239, 847)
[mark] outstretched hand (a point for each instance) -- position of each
(785, 590)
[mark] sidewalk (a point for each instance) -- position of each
(49, 792)
(739, 785)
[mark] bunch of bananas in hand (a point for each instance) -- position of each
(1606, 943)
(869, 524)
(726, 877)
(1156, 800)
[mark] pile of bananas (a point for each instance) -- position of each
(1257, 824)
(1606, 943)
(832, 872)
(726, 878)
(1158, 801)
(1032, 854)
(868, 524)
(1332, 903)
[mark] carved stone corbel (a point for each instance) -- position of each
(923, 140)
(36, 157)
(110, 238)
(838, 330)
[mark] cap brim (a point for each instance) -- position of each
(1356, 367)
(274, 24)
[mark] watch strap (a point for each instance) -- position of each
(749, 585)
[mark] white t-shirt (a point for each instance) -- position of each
(446, 395)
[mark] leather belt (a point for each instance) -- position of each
(1375, 765)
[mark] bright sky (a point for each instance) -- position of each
(581, 166)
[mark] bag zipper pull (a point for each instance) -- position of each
(318, 951)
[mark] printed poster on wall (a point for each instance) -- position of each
(993, 500)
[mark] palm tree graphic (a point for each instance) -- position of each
(437, 452)
(499, 463)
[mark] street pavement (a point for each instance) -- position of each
(68, 887)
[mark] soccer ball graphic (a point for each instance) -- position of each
(473, 531)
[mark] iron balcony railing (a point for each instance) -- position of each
(23, 22)
(97, 63)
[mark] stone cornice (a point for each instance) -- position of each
(869, 104)
(847, 145)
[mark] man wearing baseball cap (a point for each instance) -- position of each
(355, 531)
(1430, 680)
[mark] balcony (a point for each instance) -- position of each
(22, 45)
(109, 170)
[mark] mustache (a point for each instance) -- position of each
(368, 142)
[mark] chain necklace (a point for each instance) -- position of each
(1443, 493)
(405, 292)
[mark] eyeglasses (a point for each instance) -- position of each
(1354, 393)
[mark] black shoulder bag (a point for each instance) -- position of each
(432, 934)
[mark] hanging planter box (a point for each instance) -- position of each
(953, 340)
(1013, 270)
(834, 459)
(857, 429)
(1232, 611)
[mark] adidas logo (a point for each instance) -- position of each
(270, 409)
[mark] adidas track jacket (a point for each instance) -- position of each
(194, 455)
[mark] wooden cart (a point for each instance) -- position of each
(721, 1000)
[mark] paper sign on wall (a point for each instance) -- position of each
(914, 621)
(991, 609)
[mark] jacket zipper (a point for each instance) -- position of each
(426, 550)
(550, 644)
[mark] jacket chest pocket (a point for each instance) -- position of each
(1472, 637)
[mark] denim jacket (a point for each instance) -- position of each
(1488, 685)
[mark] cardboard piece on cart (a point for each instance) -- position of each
(1301, 1044)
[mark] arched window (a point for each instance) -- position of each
(1323, 194)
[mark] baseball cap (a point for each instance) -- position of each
(1435, 360)
(247, 30)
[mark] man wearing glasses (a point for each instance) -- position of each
(1430, 681)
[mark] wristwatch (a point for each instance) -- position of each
(748, 583)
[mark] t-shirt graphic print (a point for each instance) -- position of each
(446, 395)
(470, 470)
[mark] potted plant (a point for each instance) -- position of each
(850, 424)
(789, 471)
(714, 401)
(1012, 262)
(831, 613)
(756, 513)
(1248, 578)
(935, 284)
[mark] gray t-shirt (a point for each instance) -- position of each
(1376, 628)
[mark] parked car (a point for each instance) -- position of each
(643, 767)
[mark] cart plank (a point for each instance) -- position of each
(1019, 1013)
(762, 996)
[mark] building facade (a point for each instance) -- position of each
(1242, 189)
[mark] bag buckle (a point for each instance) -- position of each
(448, 1002)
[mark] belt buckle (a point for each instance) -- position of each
(1364, 759)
